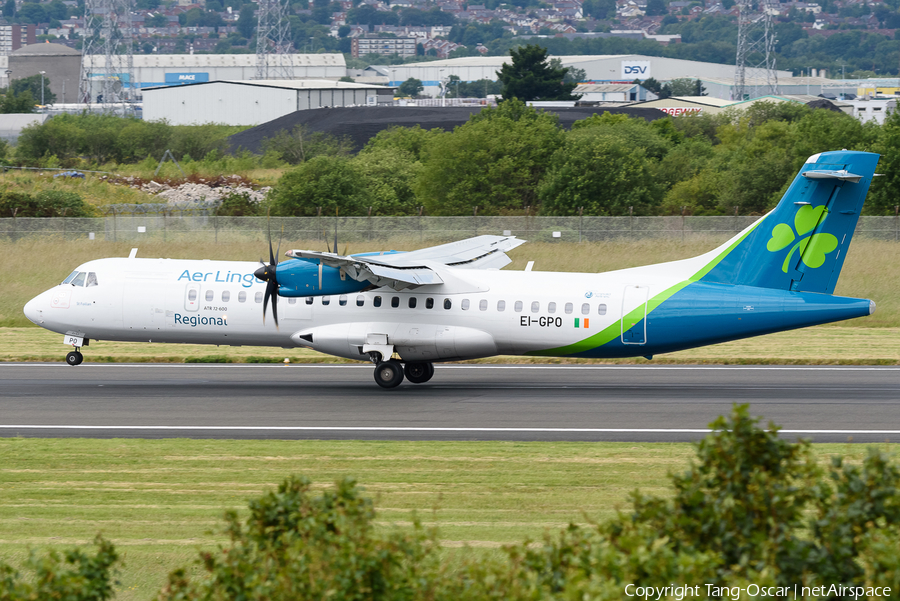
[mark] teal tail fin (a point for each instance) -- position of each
(801, 244)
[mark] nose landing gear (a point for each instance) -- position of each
(74, 358)
(389, 374)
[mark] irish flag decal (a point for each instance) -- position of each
(584, 323)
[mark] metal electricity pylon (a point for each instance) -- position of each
(755, 49)
(107, 55)
(274, 47)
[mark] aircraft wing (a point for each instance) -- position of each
(412, 269)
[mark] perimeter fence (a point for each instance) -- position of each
(434, 230)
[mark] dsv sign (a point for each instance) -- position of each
(635, 69)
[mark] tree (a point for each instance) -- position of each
(246, 23)
(606, 165)
(411, 87)
(17, 103)
(301, 145)
(32, 84)
(530, 77)
(656, 8)
(494, 162)
(332, 183)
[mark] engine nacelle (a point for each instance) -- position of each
(297, 277)
(307, 277)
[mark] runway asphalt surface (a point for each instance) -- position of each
(462, 402)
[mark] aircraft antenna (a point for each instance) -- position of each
(755, 60)
(274, 46)
(107, 55)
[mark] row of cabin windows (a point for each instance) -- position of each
(377, 301)
(226, 296)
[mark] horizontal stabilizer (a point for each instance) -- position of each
(842, 175)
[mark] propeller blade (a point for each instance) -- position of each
(335, 231)
(274, 302)
(265, 303)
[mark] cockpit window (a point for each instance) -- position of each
(70, 278)
(79, 279)
(91, 280)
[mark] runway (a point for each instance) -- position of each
(462, 402)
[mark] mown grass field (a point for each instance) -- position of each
(160, 501)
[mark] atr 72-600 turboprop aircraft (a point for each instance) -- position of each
(405, 311)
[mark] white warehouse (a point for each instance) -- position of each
(155, 70)
(253, 102)
(619, 68)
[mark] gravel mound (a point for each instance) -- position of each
(361, 123)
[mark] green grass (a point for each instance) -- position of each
(160, 501)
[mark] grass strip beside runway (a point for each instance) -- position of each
(161, 500)
(827, 345)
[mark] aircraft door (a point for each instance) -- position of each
(192, 297)
(634, 314)
(296, 309)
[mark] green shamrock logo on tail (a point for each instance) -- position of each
(805, 221)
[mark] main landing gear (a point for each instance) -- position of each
(74, 358)
(389, 374)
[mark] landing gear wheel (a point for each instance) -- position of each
(389, 374)
(418, 372)
(74, 358)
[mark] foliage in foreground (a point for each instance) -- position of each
(754, 510)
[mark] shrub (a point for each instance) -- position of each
(48, 203)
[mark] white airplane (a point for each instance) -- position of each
(406, 311)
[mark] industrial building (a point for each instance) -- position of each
(621, 68)
(256, 101)
(687, 105)
(60, 64)
(156, 70)
(612, 92)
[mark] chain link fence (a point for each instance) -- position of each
(428, 230)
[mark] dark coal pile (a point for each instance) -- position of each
(361, 123)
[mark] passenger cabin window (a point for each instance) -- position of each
(501, 306)
(569, 308)
(91, 280)
(585, 308)
(429, 303)
(242, 296)
(70, 278)
(309, 300)
(326, 300)
(551, 307)
(258, 297)
(535, 306)
(482, 304)
(342, 300)
(465, 304)
(192, 295)
(79, 280)
(518, 307)
(601, 309)
(226, 296)
(395, 301)
(376, 301)
(292, 301)
(360, 300)
(447, 303)
(209, 295)
(412, 302)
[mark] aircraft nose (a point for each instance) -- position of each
(33, 312)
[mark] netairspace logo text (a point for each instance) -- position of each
(657, 593)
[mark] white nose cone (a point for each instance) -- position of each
(871, 307)
(32, 312)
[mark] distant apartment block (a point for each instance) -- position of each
(13, 37)
(405, 46)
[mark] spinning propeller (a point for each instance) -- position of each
(267, 274)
